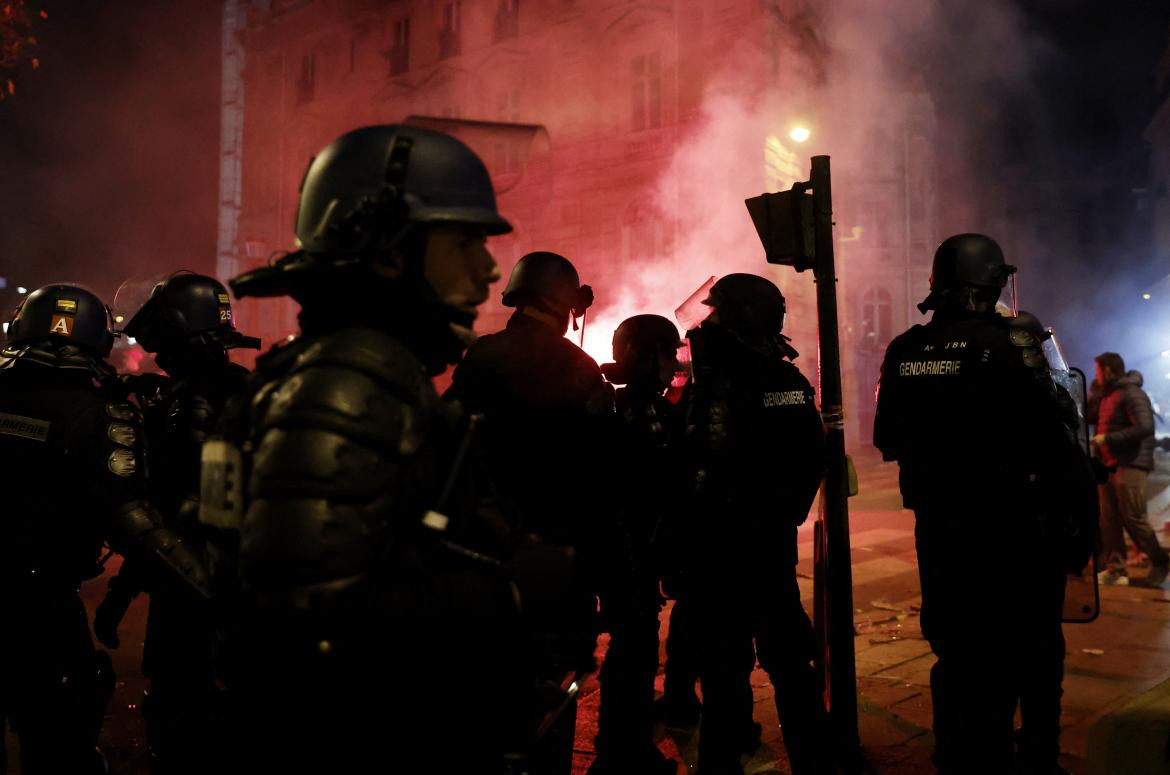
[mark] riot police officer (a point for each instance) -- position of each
(968, 409)
(756, 449)
(547, 415)
(646, 462)
(187, 323)
(73, 477)
(376, 614)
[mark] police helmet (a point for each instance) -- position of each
(394, 173)
(748, 304)
(66, 314)
(644, 333)
(1030, 323)
(636, 340)
(547, 278)
(183, 306)
(364, 191)
(969, 259)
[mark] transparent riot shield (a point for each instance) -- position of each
(131, 295)
(693, 311)
(1082, 600)
(127, 356)
(690, 314)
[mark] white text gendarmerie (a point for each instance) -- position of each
(786, 398)
(928, 368)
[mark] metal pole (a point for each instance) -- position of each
(841, 670)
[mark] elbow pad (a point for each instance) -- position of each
(139, 534)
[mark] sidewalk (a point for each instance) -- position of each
(1124, 653)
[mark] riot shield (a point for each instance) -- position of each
(127, 356)
(693, 311)
(690, 315)
(131, 295)
(1082, 600)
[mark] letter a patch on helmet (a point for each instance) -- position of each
(62, 324)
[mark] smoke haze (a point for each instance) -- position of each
(110, 148)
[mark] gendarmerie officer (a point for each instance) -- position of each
(187, 323)
(648, 483)
(377, 618)
(756, 449)
(73, 477)
(967, 408)
(548, 416)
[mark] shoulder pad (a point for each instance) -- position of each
(366, 350)
(791, 371)
(912, 334)
(353, 390)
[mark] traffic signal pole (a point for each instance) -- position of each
(840, 666)
(796, 229)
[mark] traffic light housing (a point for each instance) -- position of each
(784, 222)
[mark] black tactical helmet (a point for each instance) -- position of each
(1030, 323)
(549, 278)
(642, 333)
(966, 260)
(67, 314)
(184, 306)
(637, 340)
(748, 304)
(363, 192)
(394, 174)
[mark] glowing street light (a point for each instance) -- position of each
(799, 134)
(21, 289)
(1146, 296)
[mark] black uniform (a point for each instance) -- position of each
(547, 412)
(967, 408)
(73, 477)
(757, 443)
(542, 398)
(179, 415)
(646, 463)
(363, 630)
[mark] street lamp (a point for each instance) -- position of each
(799, 134)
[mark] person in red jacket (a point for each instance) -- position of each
(1124, 439)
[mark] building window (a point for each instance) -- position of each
(399, 53)
(363, 32)
(449, 25)
(305, 81)
(646, 92)
(507, 20)
(877, 319)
